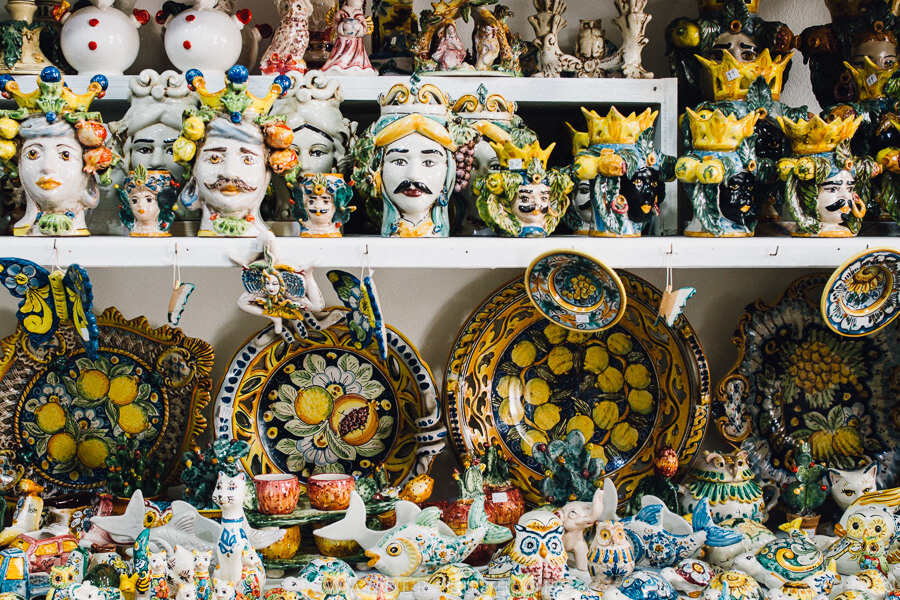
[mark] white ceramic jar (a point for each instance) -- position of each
(206, 39)
(101, 39)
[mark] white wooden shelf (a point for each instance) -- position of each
(449, 253)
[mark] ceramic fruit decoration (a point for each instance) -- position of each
(349, 26)
(324, 204)
(495, 119)
(406, 161)
(100, 38)
(717, 171)
(290, 40)
(147, 205)
(822, 177)
(22, 55)
(537, 550)
(728, 483)
(626, 175)
(230, 147)
(203, 37)
(56, 149)
(524, 198)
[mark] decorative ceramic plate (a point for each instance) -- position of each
(863, 294)
(795, 380)
(575, 290)
(518, 379)
(325, 406)
(61, 411)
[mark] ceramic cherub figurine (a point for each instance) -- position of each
(231, 147)
(147, 205)
(524, 198)
(323, 205)
(349, 26)
(57, 149)
(290, 40)
(407, 162)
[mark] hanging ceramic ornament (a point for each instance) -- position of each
(180, 293)
(673, 301)
(364, 321)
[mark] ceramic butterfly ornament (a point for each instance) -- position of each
(364, 321)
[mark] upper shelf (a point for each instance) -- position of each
(448, 253)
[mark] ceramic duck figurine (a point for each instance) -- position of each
(101, 38)
(728, 482)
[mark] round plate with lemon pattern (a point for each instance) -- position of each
(61, 411)
(323, 405)
(517, 379)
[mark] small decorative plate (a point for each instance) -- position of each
(323, 405)
(575, 290)
(795, 379)
(863, 294)
(61, 410)
(517, 379)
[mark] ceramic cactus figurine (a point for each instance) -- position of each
(57, 150)
(22, 55)
(201, 469)
(148, 203)
(570, 471)
(806, 494)
(101, 38)
(718, 173)
(524, 198)
(323, 205)
(290, 40)
(406, 163)
(349, 26)
(822, 177)
(625, 173)
(471, 480)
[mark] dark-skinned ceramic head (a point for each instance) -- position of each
(736, 199)
(644, 192)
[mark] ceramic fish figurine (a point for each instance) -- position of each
(754, 535)
(419, 539)
(642, 585)
(794, 558)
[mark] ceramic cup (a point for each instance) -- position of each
(277, 494)
(330, 491)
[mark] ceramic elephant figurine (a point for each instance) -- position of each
(576, 517)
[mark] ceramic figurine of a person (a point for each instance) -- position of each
(406, 162)
(350, 25)
(625, 173)
(524, 198)
(822, 177)
(59, 151)
(148, 200)
(232, 147)
(449, 53)
(290, 40)
(323, 205)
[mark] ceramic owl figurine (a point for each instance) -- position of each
(335, 584)
(611, 555)
(522, 587)
(537, 550)
(729, 480)
(61, 578)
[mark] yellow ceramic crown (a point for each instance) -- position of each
(870, 79)
(816, 136)
(713, 131)
(484, 106)
(527, 154)
(424, 99)
(719, 5)
(616, 128)
(216, 100)
(731, 79)
(73, 102)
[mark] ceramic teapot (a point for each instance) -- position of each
(727, 481)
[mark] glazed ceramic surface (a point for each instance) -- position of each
(204, 38)
(576, 291)
(863, 294)
(797, 380)
(517, 379)
(100, 39)
(64, 410)
(323, 405)
(277, 494)
(728, 483)
(329, 491)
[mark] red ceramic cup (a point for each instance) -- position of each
(330, 491)
(277, 494)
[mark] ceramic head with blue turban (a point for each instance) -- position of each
(147, 202)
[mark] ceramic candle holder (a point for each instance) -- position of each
(330, 491)
(277, 494)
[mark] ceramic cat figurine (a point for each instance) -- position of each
(186, 591)
(159, 581)
(202, 561)
(847, 486)
(229, 494)
(223, 590)
(253, 575)
(181, 567)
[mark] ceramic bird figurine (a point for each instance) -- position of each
(611, 555)
(537, 549)
(522, 587)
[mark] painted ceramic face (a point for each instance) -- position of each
(532, 204)
(51, 172)
(643, 192)
(736, 199)
(144, 206)
(581, 198)
(315, 150)
(413, 173)
(152, 147)
(273, 286)
(484, 161)
(740, 45)
(320, 208)
(231, 174)
(881, 52)
(836, 196)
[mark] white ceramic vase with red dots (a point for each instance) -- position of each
(205, 38)
(101, 39)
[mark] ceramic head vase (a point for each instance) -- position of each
(524, 198)
(625, 173)
(230, 147)
(822, 177)
(718, 172)
(322, 205)
(147, 202)
(406, 162)
(56, 148)
(495, 119)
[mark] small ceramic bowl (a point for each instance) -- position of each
(277, 494)
(330, 491)
(286, 548)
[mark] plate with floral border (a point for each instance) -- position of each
(575, 290)
(516, 379)
(797, 380)
(863, 294)
(61, 411)
(324, 405)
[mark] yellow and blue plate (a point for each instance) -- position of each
(863, 294)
